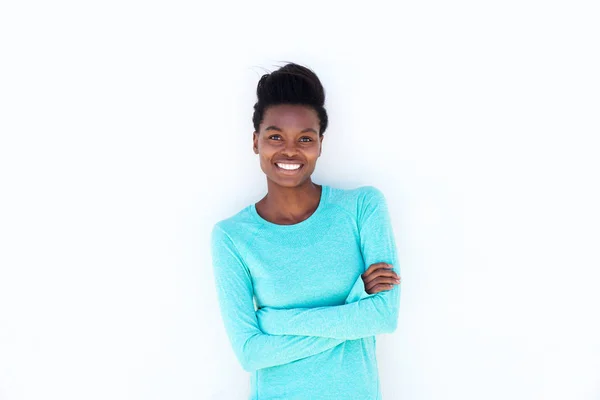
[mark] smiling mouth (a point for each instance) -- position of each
(289, 171)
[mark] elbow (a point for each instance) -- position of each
(392, 321)
(247, 365)
(246, 356)
(243, 359)
(247, 362)
(393, 311)
(392, 325)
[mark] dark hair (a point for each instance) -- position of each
(290, 84)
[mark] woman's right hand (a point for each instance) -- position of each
(379, 277)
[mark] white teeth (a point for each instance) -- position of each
(289, 166)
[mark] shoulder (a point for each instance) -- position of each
(358, 202)
(356, 197)
(371, 201)
(227, 228)
(370, 193)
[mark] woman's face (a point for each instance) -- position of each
(288, 134)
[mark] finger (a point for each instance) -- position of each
(382, 272)
(381, 287)
(376, 266)
(381, 281)
(373, 277)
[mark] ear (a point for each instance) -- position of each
(255, 142)
(321, 144)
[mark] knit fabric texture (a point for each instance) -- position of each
(293, 302)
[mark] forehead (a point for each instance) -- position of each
(291, 116)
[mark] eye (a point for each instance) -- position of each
(272, 136)
(306, 137)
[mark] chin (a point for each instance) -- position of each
(289, 183)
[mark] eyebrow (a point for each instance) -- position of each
(275, 128)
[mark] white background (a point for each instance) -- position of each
(126, 134)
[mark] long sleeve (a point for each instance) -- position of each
(357, 292)
(253, 348)
(368, 315)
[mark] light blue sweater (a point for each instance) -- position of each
(313, 335)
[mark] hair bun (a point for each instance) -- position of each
(290, 84)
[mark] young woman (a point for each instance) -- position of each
(320, 262)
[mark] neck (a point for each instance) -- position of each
(292, 203)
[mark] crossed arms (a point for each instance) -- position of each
(272, 336)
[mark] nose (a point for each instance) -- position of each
(290, 148)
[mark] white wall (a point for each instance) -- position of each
(126, 133)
